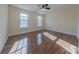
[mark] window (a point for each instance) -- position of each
(23, 20)
(39, 21)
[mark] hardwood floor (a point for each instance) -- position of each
(37, 43)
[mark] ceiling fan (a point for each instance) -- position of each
(44, 7)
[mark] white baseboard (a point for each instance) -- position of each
(63, 32)
(24, 32)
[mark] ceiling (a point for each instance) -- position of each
(36, 8)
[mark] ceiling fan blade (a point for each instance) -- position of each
(47, 8)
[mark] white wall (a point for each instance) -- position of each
(78, 26)
(3, 25)
(63, 21)
(14, 21)
(78, 34)
(78, 22)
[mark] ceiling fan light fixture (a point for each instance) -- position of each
(43, 9)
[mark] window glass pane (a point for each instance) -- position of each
(39, 21)
(23, 20)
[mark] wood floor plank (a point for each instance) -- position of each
(38, 43)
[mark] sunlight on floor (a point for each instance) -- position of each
(50, 36)
(14, 47)
(19, 47)
(69, 47)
